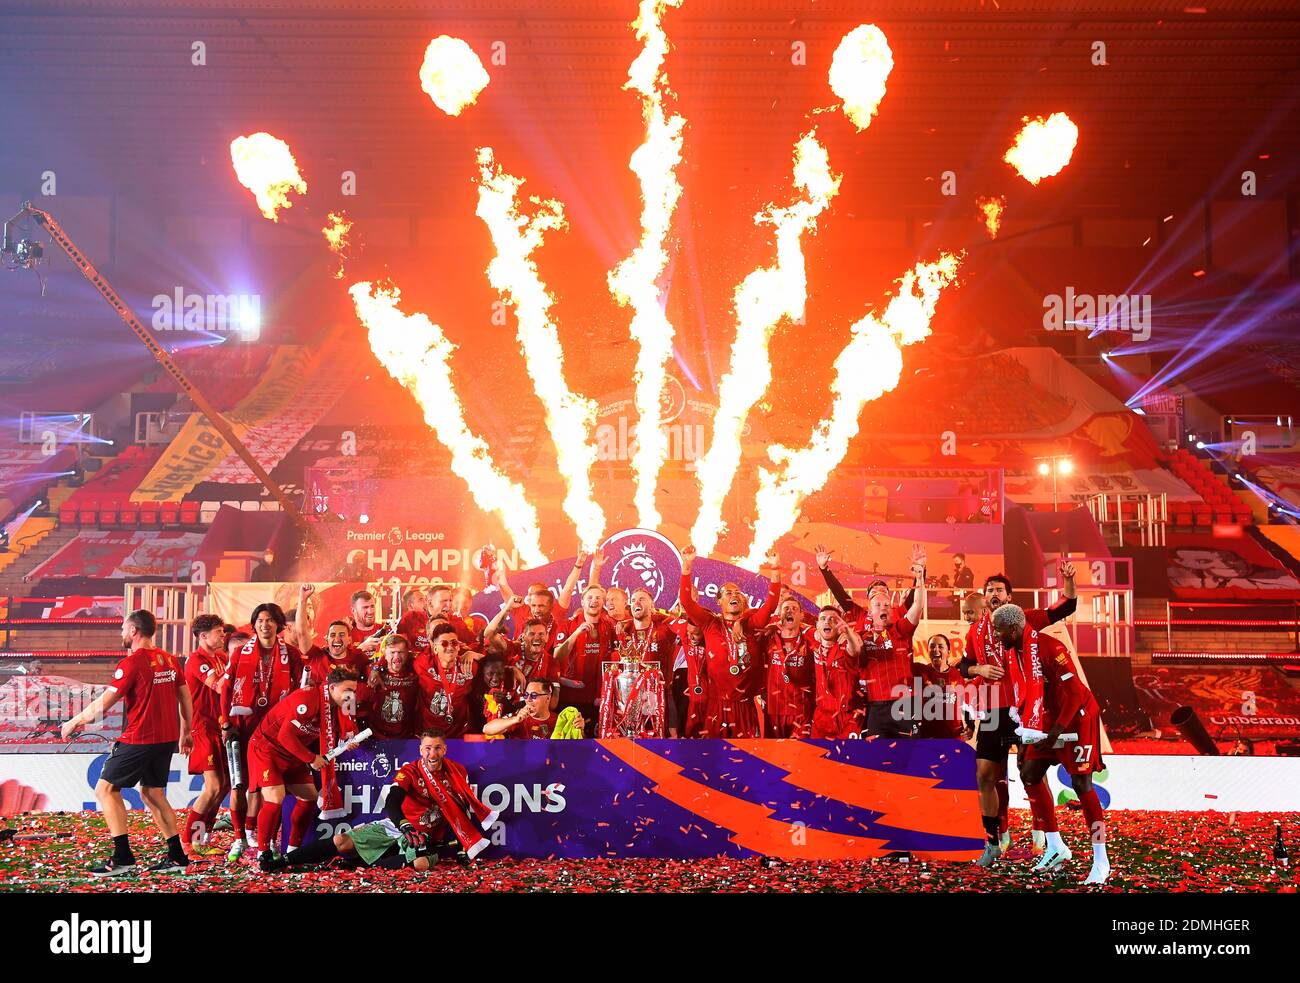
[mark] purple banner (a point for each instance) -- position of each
(680, 799)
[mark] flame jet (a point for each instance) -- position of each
(265, 166)
(867, 368)
(634, 282)
(1043, 147)
(416, 353)
(762, 300)
(513, 272)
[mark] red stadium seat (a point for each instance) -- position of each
(149, 514)
(67, 514)
(189, 513)
(108, 514)
(88, 512)
(170, 513)
(130, 514)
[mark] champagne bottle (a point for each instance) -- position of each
(1280, 856)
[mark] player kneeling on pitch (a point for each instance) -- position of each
(428, 806)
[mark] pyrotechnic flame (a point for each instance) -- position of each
(512, 271)
(991, 214)
(415, 352)
(336, 231)
(859, 68)
(867, 368)
(762, 300)
(264, 165)
(451, 74)
(634, 282)
(1043, 147)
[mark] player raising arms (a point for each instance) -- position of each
(733, 652)
(886, 658)
(338, 651)
(1069, 708)
(286, 746)
(579, 657)
(205, 674)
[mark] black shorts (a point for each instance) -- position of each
(882, 722)
(994, 740)
(147, 765)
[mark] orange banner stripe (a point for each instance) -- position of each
(910, 801)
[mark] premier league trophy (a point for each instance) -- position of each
(631, 697)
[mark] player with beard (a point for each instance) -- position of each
(790, 676)
(393, 710)
(734, 653)
(648, 634)
(286, 748)
(836, 650)
(545, 606)
(205, 673)
(535, 719)
(1069, 707)
(445, 676)
(579, 657)
(886, 658)
(366, 632)
(261, 673)
(430, 804)
(985, 662)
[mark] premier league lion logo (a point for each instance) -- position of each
(644, 559)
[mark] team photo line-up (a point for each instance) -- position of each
(263, 712)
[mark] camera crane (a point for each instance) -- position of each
(26, 253)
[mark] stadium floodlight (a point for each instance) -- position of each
(1044, 468)
(1065, 466)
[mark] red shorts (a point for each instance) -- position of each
(730, 717)
(266, 767)
(208, 754)
(1081, 757)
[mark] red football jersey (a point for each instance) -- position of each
(540, 668)
(444, 695)
(200, 669)
(298, 714)
(789, 675)
(148, 680)
(886, 661)
(658, 643)
(393, 707)
(836, 674)
(319, 664)
(418, 808)
(531, 728)
(584, 663)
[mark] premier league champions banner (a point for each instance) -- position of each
(800, 800)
